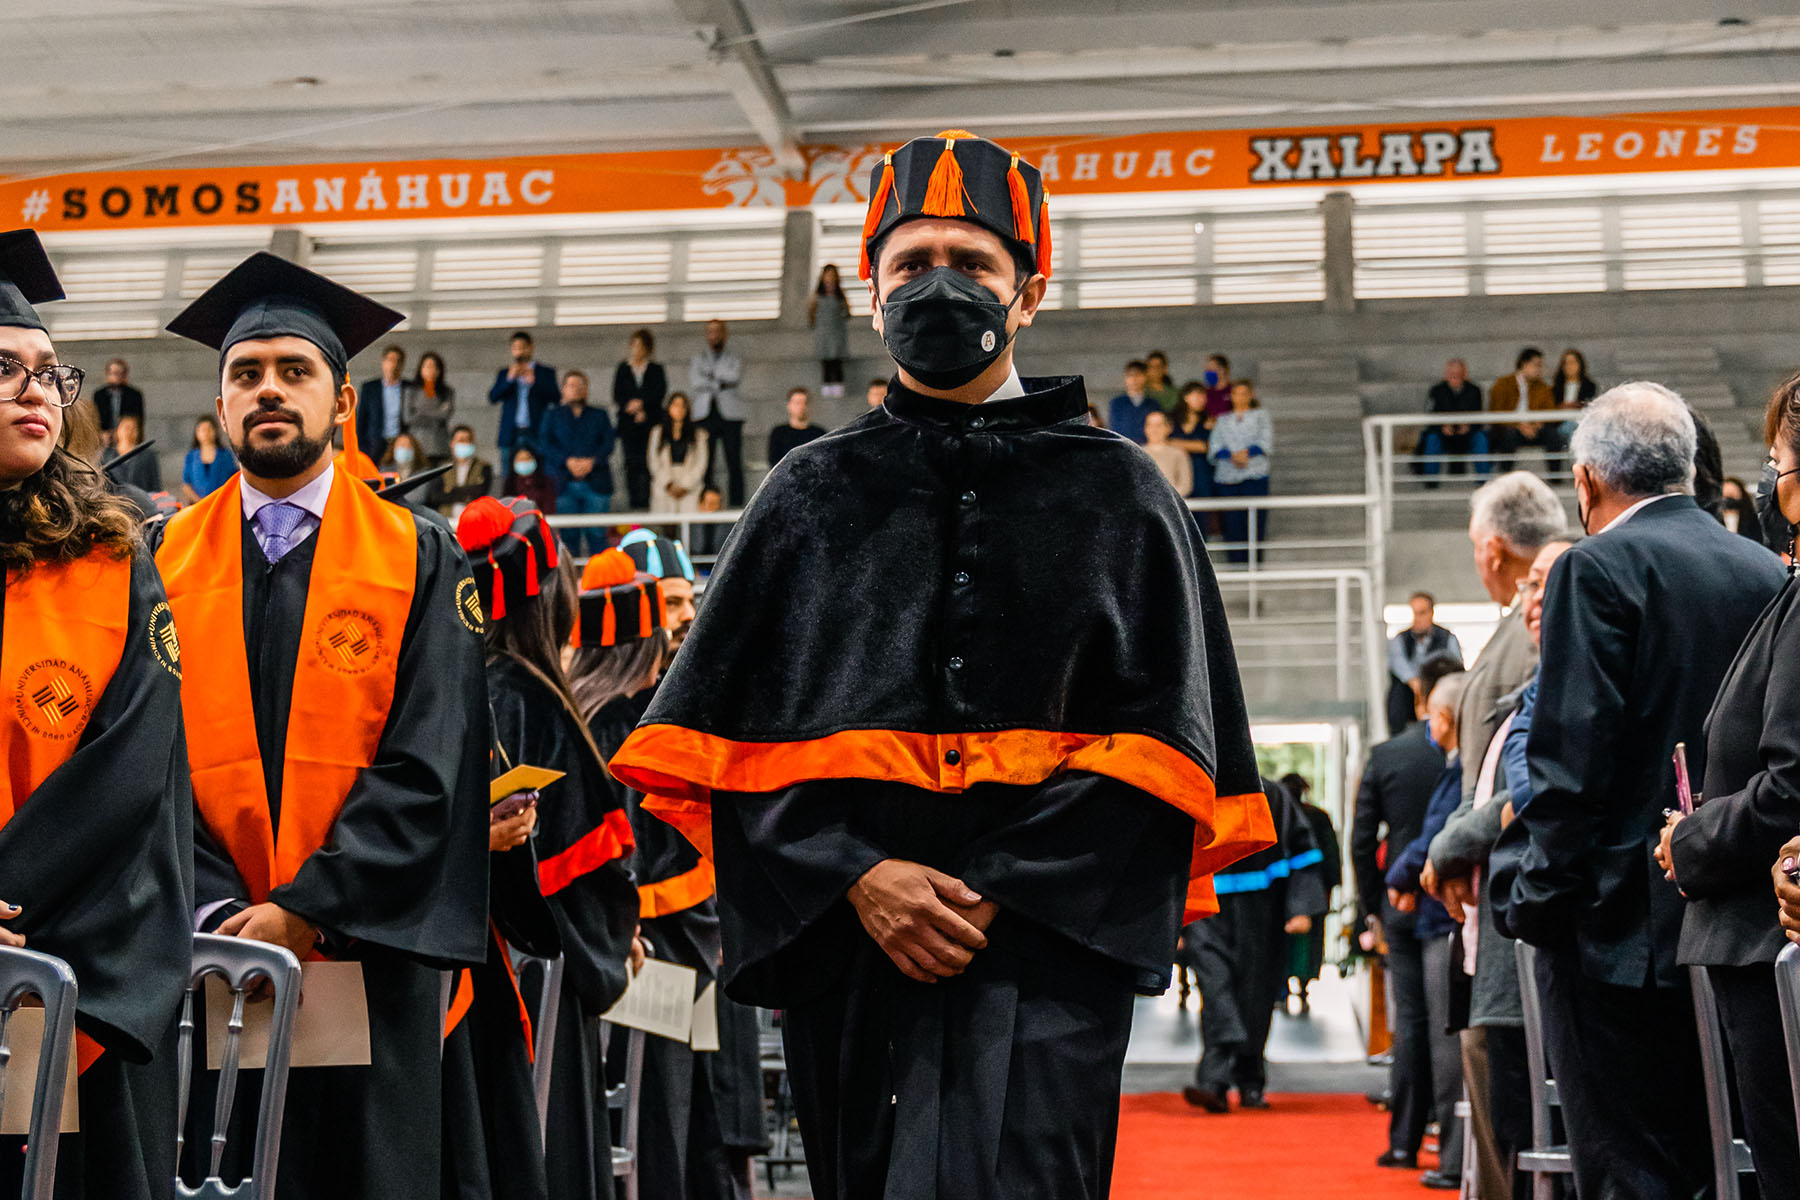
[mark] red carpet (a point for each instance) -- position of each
(1309, 1147)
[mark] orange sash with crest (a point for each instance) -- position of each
(364, 571)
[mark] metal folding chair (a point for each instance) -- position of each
(1731, 1155)
(27, 973)
(243, 964)
(1787, 984)
(1545, 1160)
(543, 1055)
(626, 1099)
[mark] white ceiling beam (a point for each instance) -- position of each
(748, 75)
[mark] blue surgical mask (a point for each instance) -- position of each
(463, 449)
(525, 466)
(1212, 379)
(403, 455)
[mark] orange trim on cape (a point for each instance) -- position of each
(64, 637)
(608, 840)
(677, 769)
(360, 594)
(462, 999)
(678, 893)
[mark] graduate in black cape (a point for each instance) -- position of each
(960, 725)
(95, 817)
(583, 833)
(333, 686)
(1241, 956)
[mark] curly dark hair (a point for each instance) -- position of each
(63, 513)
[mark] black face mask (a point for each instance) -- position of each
(944, 328)
(1778, 532)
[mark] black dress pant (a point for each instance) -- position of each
(1750, 1011)
(1509, 1100)
(1240, 965)
(637, 480)
(1410, 1078)
(725, 439)
(1627, 1067)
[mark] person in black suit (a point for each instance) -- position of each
(1718, 856)
(639, 387)
(116, 399)
(381, 405)
(1390, 806)
(1640, 623)
(526, 388)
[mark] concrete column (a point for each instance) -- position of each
(1340, 253)
(797, 266)
(288, 243)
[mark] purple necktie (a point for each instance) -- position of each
(278, 522)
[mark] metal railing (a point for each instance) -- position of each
(1390, 469)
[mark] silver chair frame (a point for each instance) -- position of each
(1545, 1159)
(1730, 1155)
(1787, 985)
(244, 964)
(627, 1099)
(27, 973)
(543, 1054)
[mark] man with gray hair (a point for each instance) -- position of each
(1640, 622)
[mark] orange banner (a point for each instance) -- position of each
(1513, 148)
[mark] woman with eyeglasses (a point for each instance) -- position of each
(96, 860)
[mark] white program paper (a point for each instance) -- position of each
(330, 1030)
(25, 1034)
(706, 1020)
(658, 1000)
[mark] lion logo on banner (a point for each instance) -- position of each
(840, 175)
(749, 177)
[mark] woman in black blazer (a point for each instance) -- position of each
(639, 386)
(1720, 856)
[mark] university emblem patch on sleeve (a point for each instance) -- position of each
(54, 699)
(468, 606)
(165, 645)
(349, 641)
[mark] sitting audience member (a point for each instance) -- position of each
(577, 441)
(709, 540)
(678, 449)
(525, 476)
(1641, 621)
(403, 458)
(1752, 791)
(469, 476)
(1157, 384)
(1241, 442)
(1737, 509)
(1127, 411)
(1406, 651)
(1217, 378)
(1172, 461)
(209, 463)
(1095, 419)
(1192, 426)
(796, 431)
(143, 471)
(1573, 388)
(1525, 391)
(1453, 394)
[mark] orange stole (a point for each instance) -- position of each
(363, 575)
(65, 634)
(678, 769)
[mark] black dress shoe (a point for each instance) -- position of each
(1439, 1181)
(1394, 1158)
(1211, 1101)
(1252, 1099)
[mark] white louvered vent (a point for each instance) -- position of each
(764, 305)
(201, 271)
(1268, 259)
(104, 278)
(1116, 244)
(1779, 221)
(100, 327)
(1681, 246)
(387, 270)
(1534, 251)
(616, 262)
(1411, 254)
(481, 316)
(636, 311)
(484, 268)
(734, 259)
(1136, 293)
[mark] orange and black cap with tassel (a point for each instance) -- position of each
(511, 551)
(619, 603)
(967, 178)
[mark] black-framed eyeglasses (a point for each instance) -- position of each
(61, 383)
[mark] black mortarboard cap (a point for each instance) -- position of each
(957, 174)
(266, 296)
(26, 278)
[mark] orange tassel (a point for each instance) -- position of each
(944, 193)
(877, 206)
(643, 610)
(1043, 246)
(609, 624)
(497, 610)
(1021, 202)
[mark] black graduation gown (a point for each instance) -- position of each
(100, 859)
(1239, 956)
(1002, 570)
(400, 885)
(596, 915)
(1306, 953)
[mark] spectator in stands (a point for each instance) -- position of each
(1573, 388)
(469, 476)
(525, 389)
(639, 385)
(430, 403)
(1640, 625)
(143, 471)
(1128, 409)
(526, 477)
(1157, 384)
(1737, 510)
(1453, 394)
(714, 375)
(1191, 429)
(828, 312)
(710, 539)
(117, 399)
(1752, 791)
(1406, 651)
(1217, 378)
(1525, 391)
(403, 459)
(796, 431)
(878, 389)
(1432, 927)
(1172, 461)
(209, 462)
(678, 454)
(1391, 801)
(1241, 442)
(577, 441)
(381, 405)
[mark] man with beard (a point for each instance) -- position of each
(668, 563)
(335, 707)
